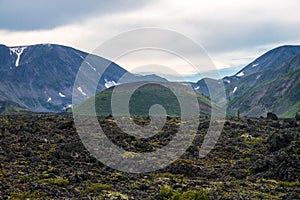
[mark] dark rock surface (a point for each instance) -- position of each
(41, 156)
(272, 116)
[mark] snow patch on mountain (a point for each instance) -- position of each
(255, 65)
(68, 106)
(234, 90)
(197, 88)
(109, 84)
(61, 95)
(18, 51)
(81, 91)
(49, 99)
(227, 81)
(257, 77)
(89, 64)
(240, 74)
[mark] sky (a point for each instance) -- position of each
(232, 32)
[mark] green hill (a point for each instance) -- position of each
(141, 101)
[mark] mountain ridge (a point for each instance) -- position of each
(251, 90)
(40, 77)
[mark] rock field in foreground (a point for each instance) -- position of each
(42, 157)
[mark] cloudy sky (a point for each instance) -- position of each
(232, 32)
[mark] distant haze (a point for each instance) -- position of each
(232, 32)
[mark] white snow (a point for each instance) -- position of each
(68, 106)
(234, 90)
(240, 74)
(109, 84)
(49, 99)
(255, 65)
(81, 91)
(197, 88)
(257, 77)
(61, 95)
(18, 51)
(89, 64)
(227, 81)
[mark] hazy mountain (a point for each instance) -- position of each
(41, 77)
(276, 89)
(269, 83)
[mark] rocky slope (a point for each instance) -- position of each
(275, 89)
(269, 83)
(42, 157)
(40, 77)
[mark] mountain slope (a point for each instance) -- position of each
(269, 60)
(41, 77)
(141, 101)
(269, 83)
(277, 91)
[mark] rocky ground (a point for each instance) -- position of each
(42, 157)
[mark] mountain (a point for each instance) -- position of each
(276, 89)
(267, 61)
(40, 78)
(268, 84)
(142, 99)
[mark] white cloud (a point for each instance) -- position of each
(232, 32)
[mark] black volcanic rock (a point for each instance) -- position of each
(272, 116)
(297, 116)
(41, 156)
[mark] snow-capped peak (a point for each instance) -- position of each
(18, 51)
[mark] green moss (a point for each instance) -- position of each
(166, 192)
(28, 195)
(168, 175)
(191, 195)
(54, 181)
(96, 187)
(289, 184)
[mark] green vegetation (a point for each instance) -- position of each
(97, 187)
(54, 181)
(250, 161)
(141, 101)
(37, 194)
(167, 193)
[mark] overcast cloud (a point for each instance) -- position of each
(233, 32)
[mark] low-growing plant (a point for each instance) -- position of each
(54, 181)
(166, 192)
(96, 187)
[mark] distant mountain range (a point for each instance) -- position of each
(40, 78)
(271, 83)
